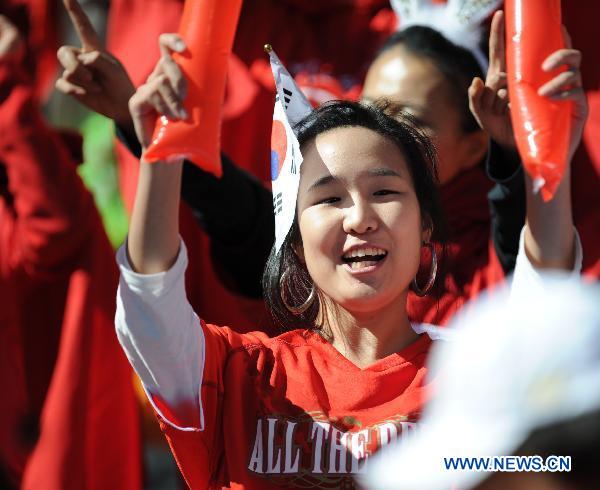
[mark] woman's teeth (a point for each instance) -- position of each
(362, 252)
(365, 257)
(362, 264)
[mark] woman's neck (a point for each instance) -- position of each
(364, 338)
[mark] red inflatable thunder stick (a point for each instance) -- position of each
(208, 28)
(542, 126)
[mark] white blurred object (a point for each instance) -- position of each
(516, 363)
(458, 20)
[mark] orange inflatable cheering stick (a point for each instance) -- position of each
(208, 28)
(542, 126)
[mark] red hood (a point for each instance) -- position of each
(36, 21)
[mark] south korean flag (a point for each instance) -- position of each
(291, 106)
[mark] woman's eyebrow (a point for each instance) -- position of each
(322, 181)
(395, 106)
(374, 172)
(383, 172)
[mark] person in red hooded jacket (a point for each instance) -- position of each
(69, 419)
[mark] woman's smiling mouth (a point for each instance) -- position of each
(363, 259)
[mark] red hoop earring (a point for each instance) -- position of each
(295, 310)
(432, 274)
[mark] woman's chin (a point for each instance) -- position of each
(368, 300)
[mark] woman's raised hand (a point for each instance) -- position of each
(568, 86)
(162, 94)
(489, 101)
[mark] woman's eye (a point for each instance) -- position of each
(385, 192)
(328, 200)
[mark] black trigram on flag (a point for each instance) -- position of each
(287, 96)
(293, 168)
(278, 203)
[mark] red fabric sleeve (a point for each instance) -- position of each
(50, 207)
(90, 428)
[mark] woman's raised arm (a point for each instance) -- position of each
(153, 241)
(549, 235)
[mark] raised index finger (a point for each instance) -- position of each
(497, 43)
(85, 30)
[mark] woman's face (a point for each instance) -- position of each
(359, 219)
(418, 87)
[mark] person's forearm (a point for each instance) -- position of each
(236, 212)
(549, 237)
(507, 203)
(155, 324)
(153, 241)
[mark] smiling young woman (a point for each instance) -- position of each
(366, 203)
(308, 407)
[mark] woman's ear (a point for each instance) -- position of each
(473, 148)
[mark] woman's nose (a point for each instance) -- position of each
(360, 218)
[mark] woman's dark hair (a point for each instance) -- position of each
(421, 161)
(457, 64)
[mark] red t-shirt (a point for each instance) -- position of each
(291, 411)
(250, 411)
